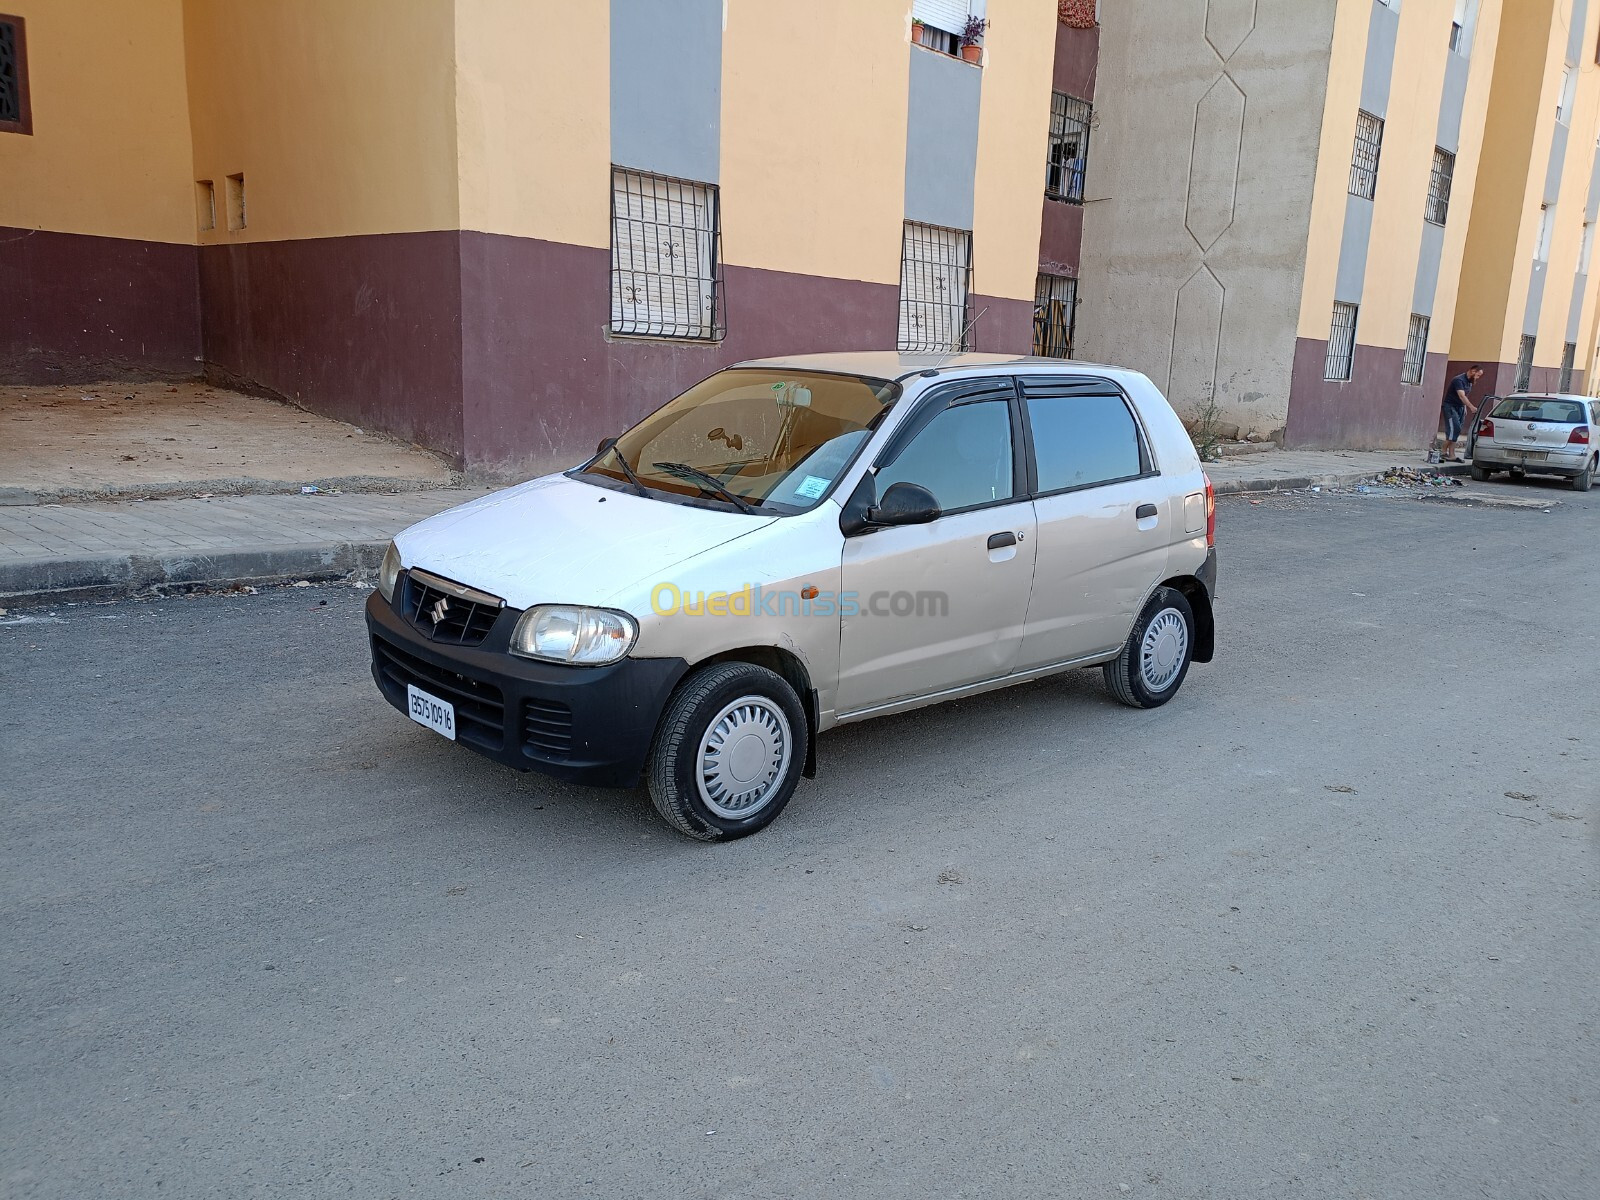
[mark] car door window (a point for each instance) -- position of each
(1079, 440)
(963, 457)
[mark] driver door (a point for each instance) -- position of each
(942, 605)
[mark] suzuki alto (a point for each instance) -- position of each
(797, 543)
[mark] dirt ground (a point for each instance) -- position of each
(164, 438)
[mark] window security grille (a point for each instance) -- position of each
(666, 268)
(1055, 310)
(1341, 342)
(1524, 364)
(1069, 147)
(1416, 350)
(1569, 353)
(11, 76)
(1444, 170)
(935, 273)
(1364, 158)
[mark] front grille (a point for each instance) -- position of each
(547, 727)
(480, 709)
(461, 622)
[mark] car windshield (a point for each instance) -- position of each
(756, 438)
(1530, 408)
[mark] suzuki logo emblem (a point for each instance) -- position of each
(438, 610)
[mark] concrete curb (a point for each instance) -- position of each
(59, 580)
(184, 489)
(1295, 483)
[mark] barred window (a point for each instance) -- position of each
(1364, 159)
(1055, 307)
(1341, 342)
(1524, 364)
(935, 273)
(1569, 354)
(666, 270)
(1416, 350)
(15, 116)
(1069, 147)
(1444, 170)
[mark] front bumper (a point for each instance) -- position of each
(1554, 462)
(586, 725)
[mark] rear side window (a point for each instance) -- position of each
(1557, 412)
(963, 457)
(1079, 441)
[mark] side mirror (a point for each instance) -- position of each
(905, 504)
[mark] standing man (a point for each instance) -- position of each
(1457, 404)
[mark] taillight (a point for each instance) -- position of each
(1211, 513)
(1579, 436)
(1486, 428)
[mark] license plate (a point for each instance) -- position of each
(1533, 455)
(438, 715)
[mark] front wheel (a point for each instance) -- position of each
(728, 753)
(1156, 657)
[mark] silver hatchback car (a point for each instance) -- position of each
(797, 543)
(1544, 434)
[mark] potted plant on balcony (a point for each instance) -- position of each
(916, 31)
(972, 40)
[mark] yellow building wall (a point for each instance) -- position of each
(814, 138)
(1498, 259)
(1410, 134)
(1577, 169)
(109, 153)
(1013, 132)
(533, 132)
(339, 113)
(1346, 61)
(1463, 190)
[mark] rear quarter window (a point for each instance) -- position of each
(1082, 440)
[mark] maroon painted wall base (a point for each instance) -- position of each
(1373, 410)
(76, 308)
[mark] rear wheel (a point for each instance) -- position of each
(1157, 654)
(1582, 481)
(1481, 474)
(728, 753)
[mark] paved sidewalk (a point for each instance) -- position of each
(1286, 470)
(59, 552)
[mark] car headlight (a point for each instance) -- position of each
(388, 572)
(572, 634)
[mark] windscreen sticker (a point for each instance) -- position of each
(811, 487)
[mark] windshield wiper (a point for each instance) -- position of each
(707, 482)
(627, 470)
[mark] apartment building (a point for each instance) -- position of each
(506, 229)
(1306, 217)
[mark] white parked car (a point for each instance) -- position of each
(1548, 434)
(793, 544)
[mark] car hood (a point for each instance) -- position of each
(557, 540)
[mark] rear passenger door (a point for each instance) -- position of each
(1103, 519)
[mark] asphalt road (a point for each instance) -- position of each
(1325, 926)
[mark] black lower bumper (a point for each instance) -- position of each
(1207, 574)
(587, 725)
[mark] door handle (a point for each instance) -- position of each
(1145, 510)
(997, 540)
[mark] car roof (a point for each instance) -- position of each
(891, 364)
(1547, 396)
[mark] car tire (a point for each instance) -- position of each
(1480, 474)
(1582, 481)
(728, 726)
(1156, 657)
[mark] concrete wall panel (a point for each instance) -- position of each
(1353, 250)
(666, 87)
(1379, 67)
(941, 139)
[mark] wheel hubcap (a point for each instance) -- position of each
(743, 757)
(1161, 655)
